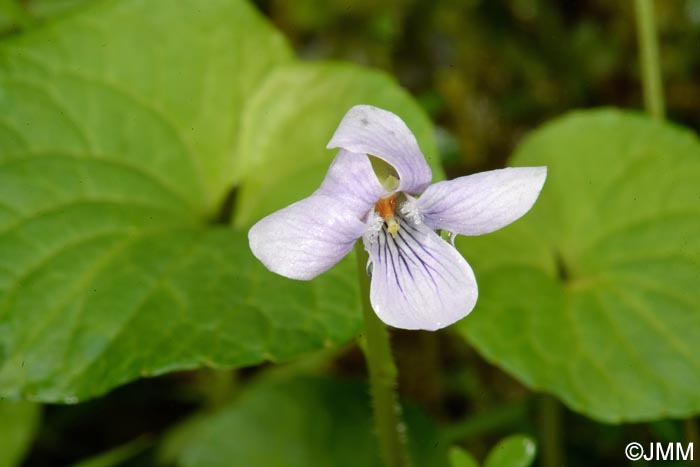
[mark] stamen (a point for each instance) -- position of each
(392, 225)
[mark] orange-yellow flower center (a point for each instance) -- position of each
(386, 207)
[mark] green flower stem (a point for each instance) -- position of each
(649, 58)
(550, 429)
(382, 376)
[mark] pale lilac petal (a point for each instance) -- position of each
(351, 179)
(419, 281)
(370, 130)
(481, 203)
(306, 238)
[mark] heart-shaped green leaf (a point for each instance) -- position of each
(594, 296)
(117, 134)
(121, 134)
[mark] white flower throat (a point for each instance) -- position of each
(390, 212)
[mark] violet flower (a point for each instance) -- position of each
(419, 280)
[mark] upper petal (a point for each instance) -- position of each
(370, 130)
(419, 281)
(351, 180)
(306, 238)
(483, 202)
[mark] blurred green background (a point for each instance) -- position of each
(486, 72)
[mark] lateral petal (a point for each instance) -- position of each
(306, 238)
(481, 203)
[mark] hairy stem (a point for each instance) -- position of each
(649, 58)
(382, 376)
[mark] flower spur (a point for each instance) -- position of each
(418, 280)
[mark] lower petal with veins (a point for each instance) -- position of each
(419, 281)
